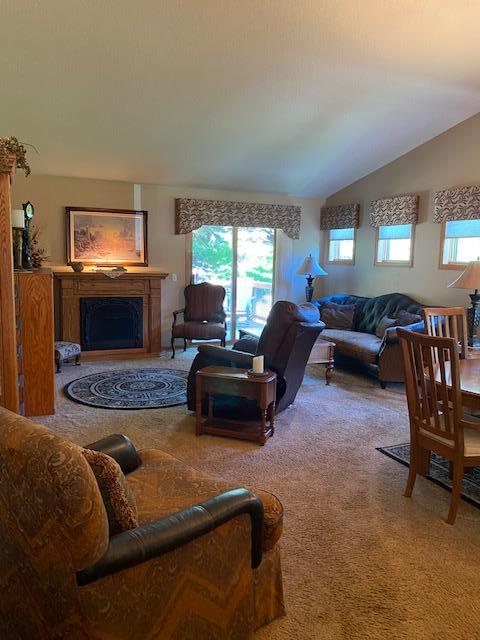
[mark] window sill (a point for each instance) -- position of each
(394, 263)
(350, 262)
(454, 266)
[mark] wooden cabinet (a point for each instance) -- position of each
(35, 342)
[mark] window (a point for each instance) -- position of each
(461, 242)
(341, 245)
(395, 244)
(242, 260)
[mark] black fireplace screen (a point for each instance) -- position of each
(111, 323)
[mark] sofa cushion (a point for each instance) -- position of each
(338, 316)
(405, 318)
(162, 485)
(199, 330)
(354, 344)
(384, 324)
(344, 299)
(118, 498)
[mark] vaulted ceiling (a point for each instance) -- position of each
(287, 96)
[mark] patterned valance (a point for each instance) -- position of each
(461, 203)
(340, 216)
(191, 214)
(394, 210)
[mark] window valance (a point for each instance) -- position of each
(191, 214)
(340, 216)
(461, 203)
(394, 210)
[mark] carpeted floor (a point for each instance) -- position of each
(360, 561)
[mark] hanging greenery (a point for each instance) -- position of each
(12, 147)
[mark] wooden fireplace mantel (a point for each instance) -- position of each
(71, 286)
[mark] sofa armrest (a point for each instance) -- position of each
(391, 333)
(133, 547)
(222, 354)
(120, 448)
(247, 344)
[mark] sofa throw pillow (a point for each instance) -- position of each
(117, 496)
(384, 324)
(338, 316)
(405, 317)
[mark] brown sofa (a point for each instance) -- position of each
(382, 356)
(203, 561)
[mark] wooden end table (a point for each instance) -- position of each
(236, 382)
(323, 352)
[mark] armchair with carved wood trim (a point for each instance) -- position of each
(203, 315)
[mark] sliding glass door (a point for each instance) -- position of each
(241, 259)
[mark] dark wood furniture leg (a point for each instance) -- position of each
(172, 342)
(329, 372)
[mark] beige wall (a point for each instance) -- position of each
(167, 251)
(451, 159)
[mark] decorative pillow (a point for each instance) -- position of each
(117, 496)
(405, 317)
(384, 324)
(338, 316)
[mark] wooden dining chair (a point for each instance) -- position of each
(437, 421)
(448, 322)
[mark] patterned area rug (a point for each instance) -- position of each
(130, 389)
(439, 472)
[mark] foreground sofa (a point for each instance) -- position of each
(202, 562)
(382, 356)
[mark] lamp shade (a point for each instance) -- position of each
(310, 267)
(18, 219)
(469, 279)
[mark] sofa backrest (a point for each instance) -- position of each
(387, 305)
(370, 311)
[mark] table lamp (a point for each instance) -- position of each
(310, 268)
(18, 225)
(470, 279)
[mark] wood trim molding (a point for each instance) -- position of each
(9, 396)
(71, 286)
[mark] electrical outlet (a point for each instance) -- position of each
(174, 277)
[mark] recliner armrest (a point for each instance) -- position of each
(120, 448)
(151, 540)
(222, 354)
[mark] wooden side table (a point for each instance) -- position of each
(323, 352)
(236, 382)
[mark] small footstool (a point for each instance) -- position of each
(66, 351)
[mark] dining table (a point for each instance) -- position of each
(469, 380)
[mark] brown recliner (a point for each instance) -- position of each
(203, 315)
(202, 563)
(286, 342)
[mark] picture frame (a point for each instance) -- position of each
(107, 237)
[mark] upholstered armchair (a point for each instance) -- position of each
(203, 315)
(111, 542)
(285, 342)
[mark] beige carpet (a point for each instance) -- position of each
(360, 560)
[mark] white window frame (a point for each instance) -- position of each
(448, 265)
(341, 261)
(394, 263)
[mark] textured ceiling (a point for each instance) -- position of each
(287, 96)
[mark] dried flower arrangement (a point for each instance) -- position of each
(12, 147)
(38, 254)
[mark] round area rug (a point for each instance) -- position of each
(130, 389)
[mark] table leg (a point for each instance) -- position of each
(328, 372)
(263, 427)
(272, 417)
(198, 407)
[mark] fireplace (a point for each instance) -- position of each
(111, 323)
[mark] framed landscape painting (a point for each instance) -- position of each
(107, 236)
